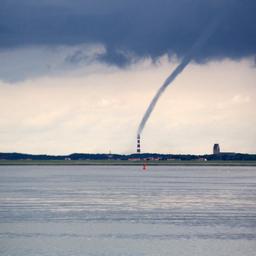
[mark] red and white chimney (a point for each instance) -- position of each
(138, 143)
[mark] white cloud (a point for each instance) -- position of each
(238, 99)
(97, 108)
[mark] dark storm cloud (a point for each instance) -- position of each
(145, 27)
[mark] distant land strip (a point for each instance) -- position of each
(226, 159)
(126, 163)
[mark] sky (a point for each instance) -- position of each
(77, 76)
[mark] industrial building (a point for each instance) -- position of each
(216, 149)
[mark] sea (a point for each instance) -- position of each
(127, 211)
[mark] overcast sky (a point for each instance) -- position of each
(77, 76)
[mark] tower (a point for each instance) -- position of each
(216, 149)
(138, 143)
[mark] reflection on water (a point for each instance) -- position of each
(89, 210)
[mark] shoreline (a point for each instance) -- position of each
(124, 163)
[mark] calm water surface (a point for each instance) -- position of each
(110, 211)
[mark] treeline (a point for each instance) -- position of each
(132, 157)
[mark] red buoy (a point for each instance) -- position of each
(144, 166)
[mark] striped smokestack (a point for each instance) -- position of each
(138, 143)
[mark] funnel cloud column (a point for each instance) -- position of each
(184, 62)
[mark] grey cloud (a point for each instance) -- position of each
(29, 62)
(144, 28)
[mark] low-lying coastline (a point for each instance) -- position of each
(126, 162)
(220, 159)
